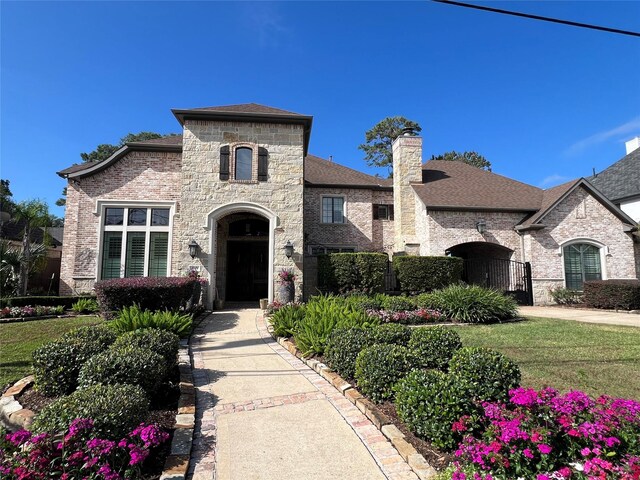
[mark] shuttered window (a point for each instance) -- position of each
(244, 163)
(581, 264)
(240, 161)
(263, 158)
(224, 163)
(138, 246)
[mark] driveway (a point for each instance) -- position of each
(602, 317)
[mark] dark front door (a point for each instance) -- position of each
(247, 270)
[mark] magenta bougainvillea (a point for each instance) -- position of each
(543, 435)
(77, 454)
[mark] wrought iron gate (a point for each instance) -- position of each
(512, 278)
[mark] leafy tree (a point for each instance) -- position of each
(34, 214)
(62, 201)
(6, 197)
(11, 261)
(105, 150)
(377, 148)
(471, 158)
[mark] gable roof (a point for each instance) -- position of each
(622, 179)
(319, 172)
(448, 185)
(553, 196)
(248, 108)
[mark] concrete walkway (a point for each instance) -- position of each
(263, 414)
(583, 315)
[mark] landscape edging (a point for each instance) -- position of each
(409, 454)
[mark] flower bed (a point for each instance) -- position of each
(29, 311)
(408, 317)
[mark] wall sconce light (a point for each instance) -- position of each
(288, 249)
(481, 226)
(193, 248)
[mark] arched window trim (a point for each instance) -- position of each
(602, 248)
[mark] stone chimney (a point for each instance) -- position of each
(407, 171)
(632, 144)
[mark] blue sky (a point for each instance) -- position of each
(543, 102)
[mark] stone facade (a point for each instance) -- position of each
(407, 170)
(139, 176)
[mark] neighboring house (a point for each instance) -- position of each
(46, 280)
(240, 184)
(621, 181)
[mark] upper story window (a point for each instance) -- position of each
(581, 264)
(136, 247)
(332, 210)
(382, 212)
(242, 164)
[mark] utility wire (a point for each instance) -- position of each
(538, 17)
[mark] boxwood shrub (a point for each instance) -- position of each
(56, 364)
(423, 274)
(124, 365)
(346, 272)
(397, 303)
(489, 373)
(149, 293)
(429, 402)
(434, 346)
(391, 333)
(114, 409)
(162, 342)
(343, 347)
(379, 367)
(475, 304)
(615, 294)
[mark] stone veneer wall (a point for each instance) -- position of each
(151, 176)
(407, 170)
(579, 215)
(202, 190)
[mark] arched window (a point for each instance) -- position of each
(244, 163)
(581, 264)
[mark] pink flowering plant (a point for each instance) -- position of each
(407, 317)
(77, 454)
(543, 435)
(29, 311)
(286, 276)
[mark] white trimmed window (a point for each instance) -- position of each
(135, 241)
(582, 262)
(332, 209)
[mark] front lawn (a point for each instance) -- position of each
(567, 355)
(19, 340)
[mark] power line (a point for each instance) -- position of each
(538, 17)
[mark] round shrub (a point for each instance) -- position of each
(429, 402)
(379, 367)
(392, 333)
(474, 304)
(162, 342)
(56, 364)
(427, 300)
(434, 346)
(397, 303)
(343, 347)
(124, 365)
(489, 373)
(114, 409)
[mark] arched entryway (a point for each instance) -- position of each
(242, 243)
(492, 265)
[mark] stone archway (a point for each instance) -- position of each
(217, 214)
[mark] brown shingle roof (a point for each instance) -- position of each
(456, 185)
(246, 108)
(321, 172)
(549, 198)
(172, 139)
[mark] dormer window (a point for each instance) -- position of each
(244, 163)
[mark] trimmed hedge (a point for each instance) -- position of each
(157, 340)
(45, 301)
(114, 409)
(380, 367)
(429, 402)
(489, 374)
(347, 272)
(149, 293)
(423, 274)
(391, 333)
(435, 346)
(343, 348)
(57, 364)
(614, 294)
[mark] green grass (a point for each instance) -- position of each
(566, 355)
(19, 340)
